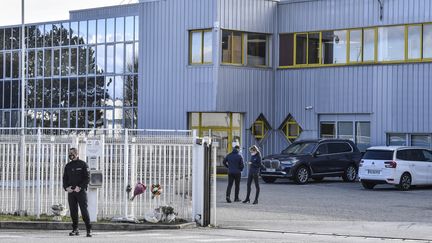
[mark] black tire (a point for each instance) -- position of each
(267, 179)
(350, 174)
(404, 182)
(301, 176)
(317, 178)
(368, 185)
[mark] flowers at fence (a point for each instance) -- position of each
(139, 189)
(156, 190)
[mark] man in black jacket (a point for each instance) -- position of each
(75, 181)
(234, 163)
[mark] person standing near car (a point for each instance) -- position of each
(75, 181)
(234, 162)
(254, 168)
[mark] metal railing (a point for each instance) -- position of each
(128, 157)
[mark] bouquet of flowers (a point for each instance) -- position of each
(156, 190)
(139, 189)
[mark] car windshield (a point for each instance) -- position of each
(300, 148)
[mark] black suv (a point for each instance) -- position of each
(314, 159)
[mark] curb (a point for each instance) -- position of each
(97, 226)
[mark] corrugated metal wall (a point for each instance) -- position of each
(396, 96)
(105, 12)
(337, 14)
(246, 89)
(169, 87)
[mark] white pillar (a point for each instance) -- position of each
(197, 181)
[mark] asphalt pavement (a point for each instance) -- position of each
(331, 207)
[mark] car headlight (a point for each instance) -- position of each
(290, 162)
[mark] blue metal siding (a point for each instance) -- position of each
(169, 87)
(247, 15)
(105, 12)
(339, 14)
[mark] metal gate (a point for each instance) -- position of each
(128, 156)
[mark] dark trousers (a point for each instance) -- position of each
(233, 178)
(75, 199)
(253, 177)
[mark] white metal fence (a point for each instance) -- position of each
(127, 157)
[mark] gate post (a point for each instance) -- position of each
(197, 179)
(126, 173)
(38, 174)
(22, 174)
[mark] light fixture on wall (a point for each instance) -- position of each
(308, 108)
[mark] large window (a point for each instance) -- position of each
(334, 47)
(242, 48)
(232, 47)
(391, 43)
(407, 139)
(257, 50)
(201, 50)
(384, 44)
(356, 131)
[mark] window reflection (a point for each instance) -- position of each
(256, 49)
(92, 31)
(369, 45)
(110, 59)
(301, 49)
(82, 92)
(355, 46)
(109, 95)
(65, 34)
(47, 93)
(91, 91)
(48, 35)
(47, 63)
(110, 30)
(55, 91)
(129, 58)
(56, 34)
(414, 42)
(74, 33)
(196, 45)
(427, 41)
(83, 32)
(100, 60)
(232, 46)
(334, 44)
(391, 43)
(208, 47)
(73, 92)
(119, 29)
(82, 60)
(101, 31)
(56, 62)
(119, 60)
(64, 61)
(129, 30)
(136, 28)
(118, 91)
(91, 61)
(313, 48)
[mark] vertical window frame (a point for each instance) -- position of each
(349, 46)
(201, 31)
(406, 53)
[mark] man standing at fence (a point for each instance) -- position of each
(234, 163)
(75, 181)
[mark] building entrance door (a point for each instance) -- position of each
(224, 128)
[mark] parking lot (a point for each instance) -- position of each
(331, 206)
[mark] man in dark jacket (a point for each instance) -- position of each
(234, 163)
(75, 181)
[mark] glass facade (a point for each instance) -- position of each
(79, 74)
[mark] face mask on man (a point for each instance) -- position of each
(253, 153)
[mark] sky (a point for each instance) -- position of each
(47, 10)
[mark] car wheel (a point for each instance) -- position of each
(317, 178)
(368, 185)
(301, 175)
(350, 174)
(269, 179)
(405, 182)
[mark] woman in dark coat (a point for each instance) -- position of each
(254, 168)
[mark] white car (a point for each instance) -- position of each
(396, 165)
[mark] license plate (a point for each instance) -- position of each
(374, 172)
(270, 170)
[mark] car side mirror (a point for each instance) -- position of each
(316, 153)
